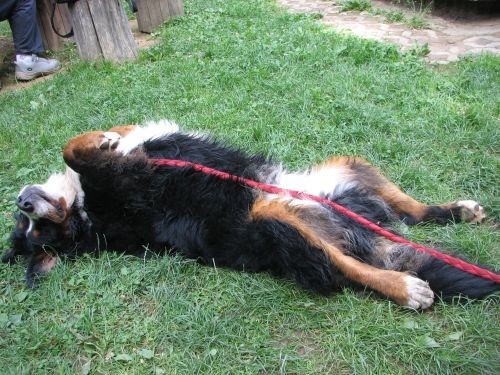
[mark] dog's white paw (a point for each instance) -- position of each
(109, 141)
(471, 211)
(420, 295)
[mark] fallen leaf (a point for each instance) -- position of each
(86, 368)
(454, 336)
(22, 296)
(429, 342)
(123, 357)
(109, 355)
(85, 364)
(146, 353)
(16, 319)
(410, 324)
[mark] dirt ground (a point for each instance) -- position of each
(449, 35)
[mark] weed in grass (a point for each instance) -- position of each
(394, 16)
(419, 50)
(417, 6)
(397, 16)
(315, 15)
(358, 5)
(420, 9)
(417, 22)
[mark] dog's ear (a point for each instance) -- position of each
(39, 264)
(18, 240)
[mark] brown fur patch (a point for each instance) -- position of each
(122, 130)
(371, 177)
(337, 161)
(60, 212)
(91, 140)
(82, 142)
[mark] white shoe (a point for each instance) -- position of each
(29, 67)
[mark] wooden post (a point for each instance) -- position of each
(102, 31)
(153, 13)
(62, 23)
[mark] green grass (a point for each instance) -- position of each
(394, 16)
(359, 5)
(5, 29)
(271, 82)
(415, 21)
(419, 50)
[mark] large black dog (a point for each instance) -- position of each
(113, 197)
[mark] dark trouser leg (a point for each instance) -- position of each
(23, 22)
(6, 7)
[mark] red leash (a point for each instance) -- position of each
(455, 262)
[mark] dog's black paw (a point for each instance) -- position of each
(9, 257)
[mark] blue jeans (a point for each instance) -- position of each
(23, 22)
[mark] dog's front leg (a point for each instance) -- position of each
(79, 149)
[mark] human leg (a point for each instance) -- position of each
(23, 22)
(27, 39)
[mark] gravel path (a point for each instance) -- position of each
(447, 39)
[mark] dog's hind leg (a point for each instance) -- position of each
(409, 210)
(406, 290)
(93, 156)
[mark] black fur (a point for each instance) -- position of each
(450, 281)
(20, 245)
(441, 215)
(196, 215)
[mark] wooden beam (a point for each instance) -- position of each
(153, 13)
(102, 31)
(87, 43)
(112, 29)
(176, 8)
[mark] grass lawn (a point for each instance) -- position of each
(277, 83)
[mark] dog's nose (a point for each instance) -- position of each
(24, 203)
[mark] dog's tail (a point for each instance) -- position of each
(447, 281)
